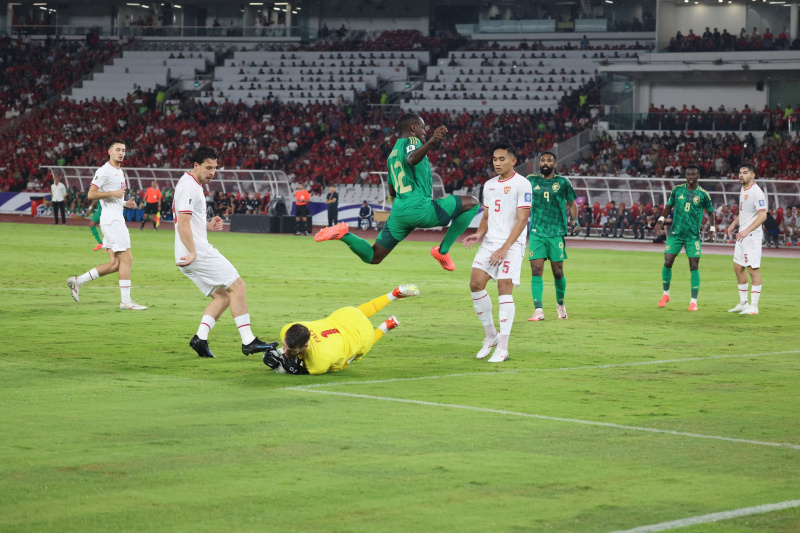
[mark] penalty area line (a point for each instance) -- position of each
(546, 417)
(713, 517)
(527, 370)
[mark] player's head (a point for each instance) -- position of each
(204, 163)
(504, 157)
(547, 163)
(411, 125)
(747, 173)
(295, 342)
(116, 152)
(692, 174)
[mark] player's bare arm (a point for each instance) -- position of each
(573, 211)
(185, 233)
(519, 226)
(760, 218)
(478, 236)
(732, 225)
(664, 214)
(416, 156)
(215, 224)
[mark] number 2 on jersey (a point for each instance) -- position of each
(397, 176)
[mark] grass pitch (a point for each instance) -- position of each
(622, 416)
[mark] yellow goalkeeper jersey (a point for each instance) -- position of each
(345, 335)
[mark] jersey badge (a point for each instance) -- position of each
(556, 187)
(696, 200)
(745, 197)
(527, 197)
(761, 203)
(536, 188)
(680, 197)
(506, 190)
(410, 148)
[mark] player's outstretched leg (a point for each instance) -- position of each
(357, 245)
(465, 210)
(388, 325)
(406, 290)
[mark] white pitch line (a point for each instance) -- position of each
(562, 369)
(714, 517)
(546, 417)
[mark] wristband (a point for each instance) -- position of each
(661, 219)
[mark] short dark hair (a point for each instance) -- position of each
(203, 153)
(508, 147)
(749, 166)
(694, 166)
(112, 142)
(296, 336)
(555, 158)
(406, 121)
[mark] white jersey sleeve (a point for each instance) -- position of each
(189, 198)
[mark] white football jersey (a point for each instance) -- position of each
(751, 201)
(190, 198)
(502, 199)
(110, 178)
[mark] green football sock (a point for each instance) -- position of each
(359, 246)
(695, 276)
(561, 288)
(96, 234)
(537, 289)
(666, 277)
(457, 227)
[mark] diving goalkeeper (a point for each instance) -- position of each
(330, 344)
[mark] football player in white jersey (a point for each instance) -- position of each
(108, 186)
(747, 252)
(506, 207)
(213, 274)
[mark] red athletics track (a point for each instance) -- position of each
(595, 243)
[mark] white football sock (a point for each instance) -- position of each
(755, 294)
(243, 323)
(206, 324)
(384, 328)
(666, 292)
(88, 276)
(743, 293)
(693, 301)
(125, 289)
(507, 312)
(482, 304)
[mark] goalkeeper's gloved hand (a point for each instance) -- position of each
(273, 357)
(294, 365)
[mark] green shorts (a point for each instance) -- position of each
(674, 245)
(96, 214)
(399, 224)
(551, 248)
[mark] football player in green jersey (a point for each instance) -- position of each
(552, 194)
(688, 201)
(94, 221)
(411, 184)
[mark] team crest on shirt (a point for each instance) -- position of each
(696, 200)
(556, 187)
(745, 197)
(506, 190)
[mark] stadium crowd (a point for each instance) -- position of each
(714, 41)
(720, 119)
(36, 71)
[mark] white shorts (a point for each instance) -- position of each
(211, 273)
(116, 236)
(509, 269)
(747, 252)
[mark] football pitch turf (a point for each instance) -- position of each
(624, 416)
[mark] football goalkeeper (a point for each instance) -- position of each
(330, 344)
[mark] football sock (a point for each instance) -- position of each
(483, 308)
(755, 294)
(695, 278)
(373, 306)
(561, 289)
(90, 275)
(359, 246)
(125, 289)
(666, 277)
(693, 301)
(243, 323)
(96, 234)
(144, 221)
(743, 293)
(206, 324)
(458, 226)
(537, 289)
(507, 312)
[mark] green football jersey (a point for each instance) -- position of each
(413, 184)
(549, 205)
(687, 211)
